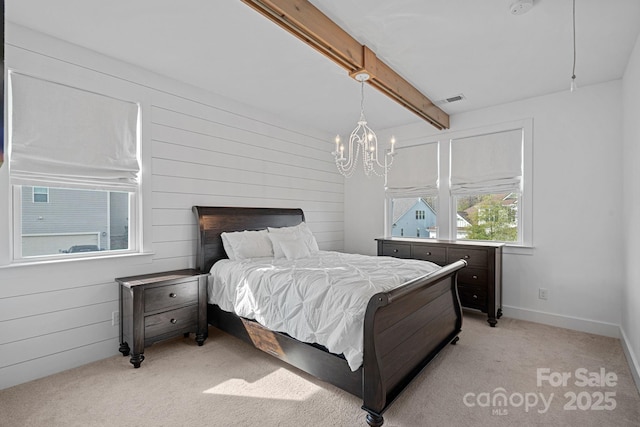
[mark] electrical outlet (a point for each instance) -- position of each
(115, 318)
(543, 293)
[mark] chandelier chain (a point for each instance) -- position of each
(573, 74)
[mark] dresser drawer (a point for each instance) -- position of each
(474, 257)
(162, 297)
(473, 296)
(429, 253)
(473, 276)
(170, 321)
(397, 250)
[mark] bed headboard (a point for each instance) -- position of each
(213, 220)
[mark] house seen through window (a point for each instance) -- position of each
(73, 221)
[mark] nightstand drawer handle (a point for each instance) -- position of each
(475, 296)
(172, 295)
(174, 321)
(428, 253)
(467, 257)
(474, 276)
(395, 251)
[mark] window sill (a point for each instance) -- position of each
(132, 258)
(517, 250)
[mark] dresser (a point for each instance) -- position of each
(479, 283)
(158, 306)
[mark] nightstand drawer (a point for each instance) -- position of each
(474, 257)
(397, 250)
(170, 296)
(170, 322)
(428, 253)
(473, 276)
(473, 296)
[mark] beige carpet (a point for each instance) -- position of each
(228, 383)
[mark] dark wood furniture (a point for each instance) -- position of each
(479, 285)
(404, 329)
(158, 306)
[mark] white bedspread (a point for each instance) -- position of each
(321, 299)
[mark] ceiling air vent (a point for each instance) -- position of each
(451, 99)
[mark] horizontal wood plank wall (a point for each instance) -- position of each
(198, 149)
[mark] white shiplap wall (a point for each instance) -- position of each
(197, 149)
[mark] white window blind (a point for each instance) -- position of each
(414, 172)
(489, 163)
(67, 137)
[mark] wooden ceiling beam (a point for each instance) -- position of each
(308, 23)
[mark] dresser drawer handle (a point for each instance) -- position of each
(395, 251)
(174, 321)
(467, 257)
(474, 276)
(172, 295)
(428, 253)
(475, 296)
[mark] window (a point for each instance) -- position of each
(74, 170)
(40, 195)
(481, 178)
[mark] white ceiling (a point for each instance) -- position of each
(443, 47)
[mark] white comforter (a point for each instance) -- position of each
(321, 299)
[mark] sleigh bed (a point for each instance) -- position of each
(404, 328)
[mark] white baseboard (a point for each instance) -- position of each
(567, 322)
(632, 360)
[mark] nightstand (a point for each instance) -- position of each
(154, 307)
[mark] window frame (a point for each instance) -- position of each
(137, 227)
(446, 209)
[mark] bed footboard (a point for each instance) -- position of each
(404, 330)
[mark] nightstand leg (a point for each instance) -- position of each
(200, 338)
(136, 360)
(124, 349)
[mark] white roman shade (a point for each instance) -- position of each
(67, 137)
(488, 164)
(414, 172)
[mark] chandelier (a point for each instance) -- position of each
(363, 139)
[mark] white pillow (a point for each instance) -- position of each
(241, 245)
(294, 249)
(302, 232)
(276, 242)
(227, 246)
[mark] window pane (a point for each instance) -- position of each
(41, 194)
(414, 217)
(487, 217)
(74, 221)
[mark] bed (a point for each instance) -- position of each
(403, 328)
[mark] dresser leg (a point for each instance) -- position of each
(124, 349)
(374, 420)
(136, 360)
(492, 322)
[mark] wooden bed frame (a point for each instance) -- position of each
(404, 329)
